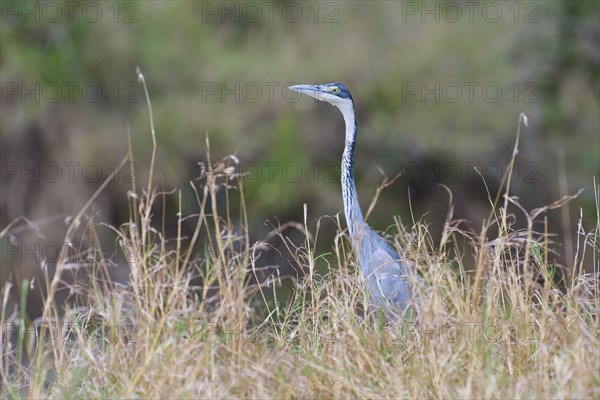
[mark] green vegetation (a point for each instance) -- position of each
(545, 65)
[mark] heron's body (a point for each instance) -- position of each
(389, 280)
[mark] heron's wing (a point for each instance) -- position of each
(391, 276)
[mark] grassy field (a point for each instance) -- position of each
(497, 321)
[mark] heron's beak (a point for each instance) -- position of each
(315, 91)
(305, 88)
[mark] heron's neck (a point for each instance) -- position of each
(354, 217)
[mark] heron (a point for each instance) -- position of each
(390, 281)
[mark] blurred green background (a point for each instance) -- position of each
(438, 89)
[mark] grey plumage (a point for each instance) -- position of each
(390, 281)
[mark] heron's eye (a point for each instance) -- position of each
(335, 90)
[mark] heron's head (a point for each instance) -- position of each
(333, 93)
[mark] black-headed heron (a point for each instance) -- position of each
(389, 280)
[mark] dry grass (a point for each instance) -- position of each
(509, 329)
